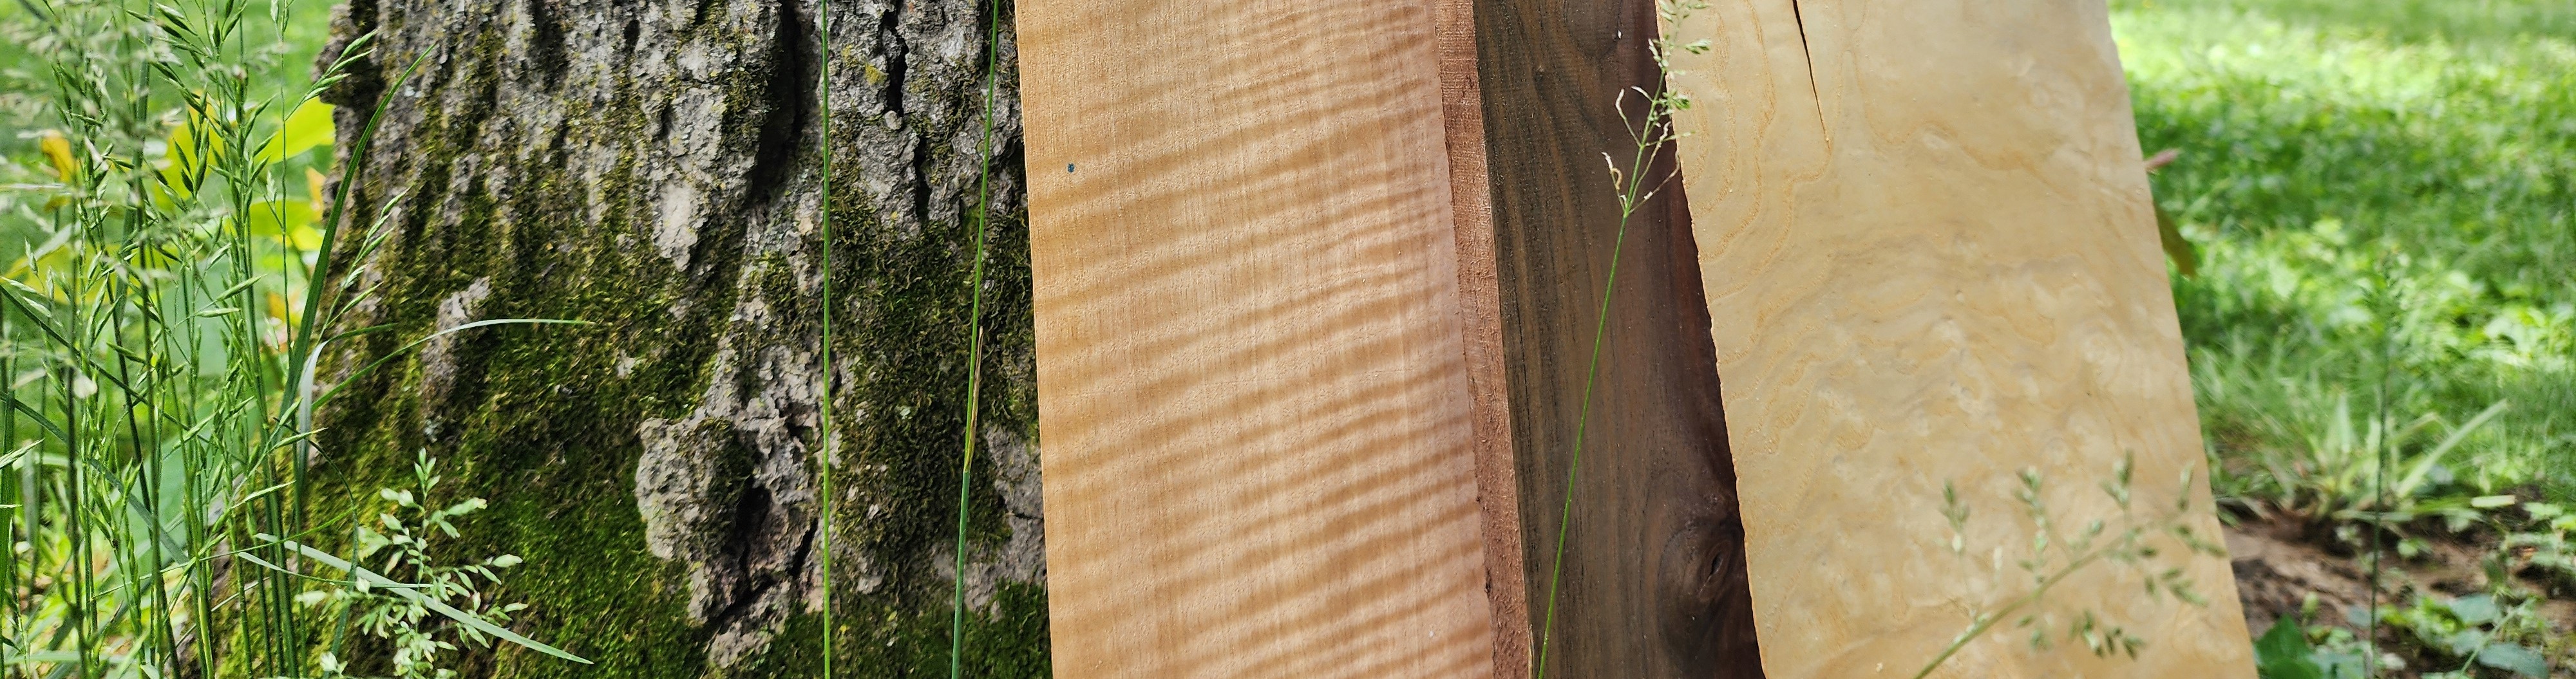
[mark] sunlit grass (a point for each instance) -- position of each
(286, 54)
(170, 270)
(2324, 141)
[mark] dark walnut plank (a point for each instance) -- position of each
(1653, 583)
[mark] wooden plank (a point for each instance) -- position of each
(1254, 386)
(1652, 584)
(1928, 250)
(1471, 196)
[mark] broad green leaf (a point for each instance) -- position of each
(309, 126)
(2341, 665)
(2283, 653)
(2465, 641)
(2475, 609)
(282, 221)
(304, 237)
(2515, 658)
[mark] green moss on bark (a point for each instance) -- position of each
(543, 421)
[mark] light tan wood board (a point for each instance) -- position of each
(1252, 382)
(1928, 252)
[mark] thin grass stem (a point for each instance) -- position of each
(823, 448)
(975, 332)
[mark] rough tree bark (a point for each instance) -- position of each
(652, 167)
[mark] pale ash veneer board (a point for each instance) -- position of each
(1253, 378)
(1928, 252)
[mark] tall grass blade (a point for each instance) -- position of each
(2424, 467)
(823, 445)
(975, 329)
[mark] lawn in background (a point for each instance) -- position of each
(2331, 145)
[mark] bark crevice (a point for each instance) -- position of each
(782, 136)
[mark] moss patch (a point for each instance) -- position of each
(542, 421)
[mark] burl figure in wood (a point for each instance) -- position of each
(1316, 287)
(1930, 256)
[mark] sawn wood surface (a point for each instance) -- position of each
(1255, 406)
(1929, 256)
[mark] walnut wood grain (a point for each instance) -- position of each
(1925, 236)
(1254, 393)
(1652, 584)
(1653, 572)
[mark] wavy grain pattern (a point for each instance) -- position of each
(1253, 383)
(1928, 252)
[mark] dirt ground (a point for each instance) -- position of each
(2279, 563)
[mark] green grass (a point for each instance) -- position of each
(288, 60)
(146, 336)
(168, 274)
(2324, 142)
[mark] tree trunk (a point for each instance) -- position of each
(654, 169)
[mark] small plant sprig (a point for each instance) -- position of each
(2053, 558)
(420, 636)
(1653, 131)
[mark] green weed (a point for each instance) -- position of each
(2053, 555)
(2501, 631)
(402, 536)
